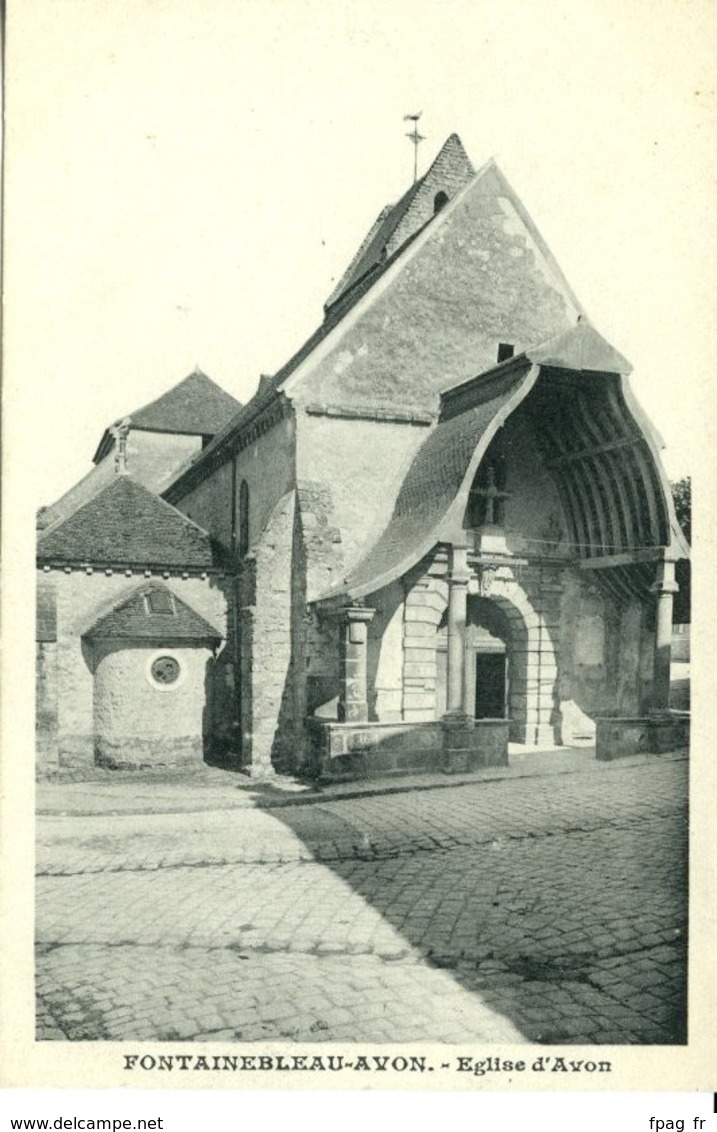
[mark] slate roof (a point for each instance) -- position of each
(197, 406)
(134, 617)
(127, 525)
(377, 243)
(432, 484)
(270, 389)
(362, 279)
(437, 478)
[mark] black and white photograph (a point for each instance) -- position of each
(357, 375)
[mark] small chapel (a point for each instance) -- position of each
(442, 527)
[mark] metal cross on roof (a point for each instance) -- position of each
(416, 138)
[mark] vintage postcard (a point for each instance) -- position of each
(356, 379)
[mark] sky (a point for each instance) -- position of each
(186, 179)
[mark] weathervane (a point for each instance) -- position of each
(416, 138)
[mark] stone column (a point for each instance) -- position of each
(457, 609)
(663, 588)
(353, 698)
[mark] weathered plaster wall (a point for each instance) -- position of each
(606, 656)
(361, 465)
(271, 666)
(534, 517)
(81, 598)
(153, 459)
(477, 280)
(267, 465)
(385, 655)
(138, 724)
(210, 505)
(46, 702)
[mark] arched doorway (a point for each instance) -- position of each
(487, 664)
(510, 656)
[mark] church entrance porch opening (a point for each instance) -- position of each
(487, 660)
(491, 685)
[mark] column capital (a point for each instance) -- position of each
(355, 613)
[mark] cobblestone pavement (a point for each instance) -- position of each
(548, 909)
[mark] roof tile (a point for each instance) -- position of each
(127, 524)
(139, 617)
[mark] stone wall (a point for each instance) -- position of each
(475, 277)
(138, 723)
(210, 505)
(271, 649)
(534, 519)
(529, 598)
(365, 750)
(426, 600)
(606, 658)
(46, 703)
(267, 466)
(67, 728)
(358, 464)
(351, 750)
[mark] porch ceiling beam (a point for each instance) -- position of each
(627, 558)
(583, 453)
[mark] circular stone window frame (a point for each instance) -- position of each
(156, 684)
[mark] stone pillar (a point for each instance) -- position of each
(457, 609)
(663, 588)
(458, 723)
(353, 697)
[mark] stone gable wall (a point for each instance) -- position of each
(349, 474)
(268, 466)
(449, 174)
(66, 716)
(477, 280)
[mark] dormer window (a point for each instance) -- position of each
(440, 201)
(159, 602)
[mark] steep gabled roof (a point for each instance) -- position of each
(197, 406)
(127, 525)
(488, 197)
(153, 612)
(580, 348)
(395, 223)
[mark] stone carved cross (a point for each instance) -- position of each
(493, 497)
(120, 432)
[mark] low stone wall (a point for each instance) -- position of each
(619, 737)
(140, 753)
(343, 751)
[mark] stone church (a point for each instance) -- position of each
(441, 526)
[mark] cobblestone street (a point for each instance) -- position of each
(547, 908)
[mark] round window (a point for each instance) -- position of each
(165, 670)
